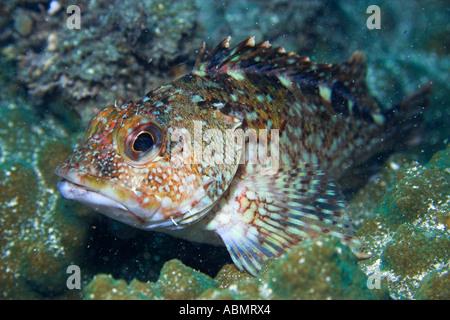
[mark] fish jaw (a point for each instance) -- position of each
(108, 198)
(142, 210)
(109, 207)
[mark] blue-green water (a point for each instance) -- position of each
(53, 79)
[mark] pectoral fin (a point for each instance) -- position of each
(268, 211)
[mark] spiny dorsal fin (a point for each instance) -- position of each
(341, 84)
(248, 56)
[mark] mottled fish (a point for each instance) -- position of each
(138, 164)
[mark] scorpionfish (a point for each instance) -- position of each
(245, 151)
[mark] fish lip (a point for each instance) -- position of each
(79, 189)
(74, 176)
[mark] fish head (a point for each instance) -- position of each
(140, 164)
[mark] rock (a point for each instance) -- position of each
(23, 23)
(409, 233)
(321, 268)
(230, 274)
(105, 287)
(178, 281)
(39, 237)
(435, 286)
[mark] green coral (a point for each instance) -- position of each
(435, 285)
(321, 268)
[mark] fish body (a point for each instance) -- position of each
(244, 151)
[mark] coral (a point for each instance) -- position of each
(413, 250)
(364, 203)
(316, 269)
(228, 275)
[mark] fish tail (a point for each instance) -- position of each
(403, 121)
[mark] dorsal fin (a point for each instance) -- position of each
(342, 84)
(249, 56)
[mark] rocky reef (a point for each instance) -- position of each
(38, 240)
(122, 49)
(52, 79)
(305, 272)
(407, 234)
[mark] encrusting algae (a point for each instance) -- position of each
(409, 231)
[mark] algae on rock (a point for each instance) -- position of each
(409, 234)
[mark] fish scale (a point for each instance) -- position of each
(173, 179)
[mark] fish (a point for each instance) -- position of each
(245, 151)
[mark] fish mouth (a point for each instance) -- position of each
(98, 201)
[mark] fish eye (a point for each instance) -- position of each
(140, 141)
(143, 142)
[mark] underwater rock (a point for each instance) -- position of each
(103, 61)
(176, 282)
(230, 274)
(317, 269)
(320, 268)
(23, 23)
(409, 233)
(39, 238)
(179, 282)
(364, 203)
(105, 287)
(435, 286)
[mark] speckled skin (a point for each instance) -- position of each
(326, 122)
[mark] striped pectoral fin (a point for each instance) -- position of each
(269, 211)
